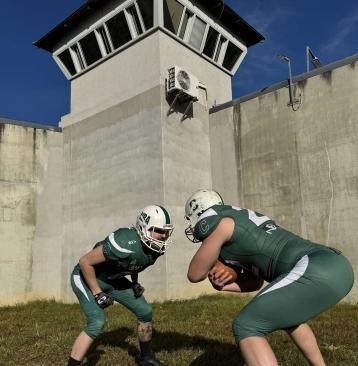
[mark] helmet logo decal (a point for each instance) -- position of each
(197, 205)
(193, 204)
(154, 228)
(203, 226)
(144, 217)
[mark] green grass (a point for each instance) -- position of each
(193, 332)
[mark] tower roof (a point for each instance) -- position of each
(224, 15)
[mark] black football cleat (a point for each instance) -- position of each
(149, 361)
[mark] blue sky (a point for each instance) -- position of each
(34, 89)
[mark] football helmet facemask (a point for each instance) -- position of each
(196, 204)
(155, 219)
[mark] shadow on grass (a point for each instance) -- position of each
(214, 352)
(115, 338)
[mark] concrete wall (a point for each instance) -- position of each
(118, 152)
(122, 152)
(299, 167)
(122, 159)
(30, 200)
(60, 193)
(112, 169)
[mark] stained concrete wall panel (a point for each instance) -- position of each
(186, 168)
(224, 151)
(302, 165)
(113, 168)
(23, 158)
(47, 245)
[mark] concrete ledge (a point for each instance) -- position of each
(282, 84)
(29, 124)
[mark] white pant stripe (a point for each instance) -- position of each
(296, 272)
(79, 285)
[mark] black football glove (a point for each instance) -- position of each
(138, 289)
(103, 300)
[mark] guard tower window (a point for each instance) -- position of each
(197, 33)
(78, 59)
(218, 52)
(132, 12)
(185, 24)
(210, 43)
(231, 56)
(146, 9)
(90, 48)
(66, 60)
(118, 30)
(173, 11)
(103, 36)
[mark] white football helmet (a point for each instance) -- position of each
(154, 219)
(196, 204)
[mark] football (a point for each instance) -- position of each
(221, 266)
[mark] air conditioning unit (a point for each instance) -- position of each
(180, 81)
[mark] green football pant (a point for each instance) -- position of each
(317, 282)
(121, 291)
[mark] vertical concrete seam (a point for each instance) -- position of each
(162, 114)
(238, 144)
(332, 192)
(299, 178)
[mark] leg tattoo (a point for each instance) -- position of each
(145, 331)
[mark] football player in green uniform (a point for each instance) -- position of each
(304, 278)
(99, 279)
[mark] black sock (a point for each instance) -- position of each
(73, 362)
(146, 349)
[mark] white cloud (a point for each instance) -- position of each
(344, 28)
(263, 15)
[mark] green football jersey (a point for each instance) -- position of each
(257, 243)
(125, 255)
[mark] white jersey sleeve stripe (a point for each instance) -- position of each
(79, 285)
(296, 272)
(115, 245)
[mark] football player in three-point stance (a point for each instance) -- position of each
(304, 278)
(99, 279)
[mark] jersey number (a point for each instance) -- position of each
(257, 219)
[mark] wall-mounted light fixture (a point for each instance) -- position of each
(293, 100)
(315, 61)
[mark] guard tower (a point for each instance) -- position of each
(143, 75)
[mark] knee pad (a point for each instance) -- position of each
(144, 313)
(94, 326)
(244, 326)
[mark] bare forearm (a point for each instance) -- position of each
(232, 287)
(89, 274)
(248, 285)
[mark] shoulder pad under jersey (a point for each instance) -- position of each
(207, 223)
(120, 244)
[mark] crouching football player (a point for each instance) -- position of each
(99, 279)
(304, 278)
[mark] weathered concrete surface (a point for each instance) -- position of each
(29, 173)
(225, 154)
(123, 159)
(301, 167)
(112, 169)
(62, 192)
(186, 166)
